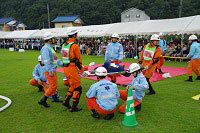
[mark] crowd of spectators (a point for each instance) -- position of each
(98, 46)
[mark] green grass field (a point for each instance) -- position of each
(171, 110)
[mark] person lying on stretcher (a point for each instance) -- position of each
(111, 68)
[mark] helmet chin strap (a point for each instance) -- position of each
(136, 74)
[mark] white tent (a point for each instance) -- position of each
(24, 34)
(94, 30)
(185, 25)
(167, 26)
(58, 32)
(3, 34)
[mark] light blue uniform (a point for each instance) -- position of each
(140, 85)
(106, 92)
(38, 73)
(114, 51)
(162, 44)
(48, 58)
(194, 51)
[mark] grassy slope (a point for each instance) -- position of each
(170, 110)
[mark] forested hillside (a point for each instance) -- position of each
(34, 12)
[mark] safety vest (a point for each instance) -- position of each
(66, 53)
(55, 57)
(149, 52)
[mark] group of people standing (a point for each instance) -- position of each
(102, 97)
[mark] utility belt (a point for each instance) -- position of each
(75, 62)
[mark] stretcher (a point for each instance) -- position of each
(92, 73)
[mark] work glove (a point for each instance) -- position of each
(145, 67)
(85, 68)
(39, 82)
(51, 74)
(140, 62)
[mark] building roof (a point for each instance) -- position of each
(132, 9)
(18, 22)
(6, 20)
(65, 19)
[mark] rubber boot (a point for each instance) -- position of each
(198, 78)
(109, 116)
(138, 108)
(66, 102)
(40, 88)
(189, 79)
(55, 99)
(95, 114)
(152, 92)
(74, 106)
(43, 102)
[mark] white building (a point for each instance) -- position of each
(134, 14)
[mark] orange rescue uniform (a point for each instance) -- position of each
(152, 64)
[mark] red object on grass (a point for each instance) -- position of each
(122, 80)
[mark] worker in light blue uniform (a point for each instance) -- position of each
(163, 45)
(114, 51)
(50, 61)
(102, 97)
(39, 80)
(139, 85)
(194, 55)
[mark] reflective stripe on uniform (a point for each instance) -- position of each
(106, 96)
(130, 98)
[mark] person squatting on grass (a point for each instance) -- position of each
(194, 55)
(102, 97)
(72, 62)
(50, 61)
(139, 85)
(114, 53)
(150, 54)
(39, 80)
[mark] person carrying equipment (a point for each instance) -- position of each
(139, 85)
(150, 54)
(39, 79)
(72, 62)
(102, 97)
(50, 61)
(162, 44)
(194, 55)
(114, 51)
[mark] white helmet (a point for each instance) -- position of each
(155, 37)
(193, 37)
(115, 35)
(39, 58)
(48, 35)
(134, 67)
(101, 71)
(161, 34)
(72, 31)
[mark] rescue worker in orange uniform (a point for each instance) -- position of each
(162, 44)
(150, 54)
(194, 55)
(72, 62)
(39, 80)
(50, 61)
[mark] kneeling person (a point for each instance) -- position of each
(39, 79)
(139, 85)
(102, 97)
